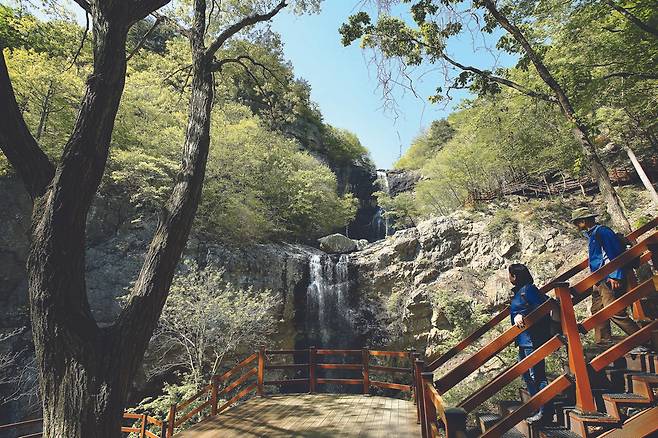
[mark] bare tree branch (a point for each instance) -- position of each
(502, 81)
(84, 4)
(240, 25)
(631, 74)
(82, 43)
(18, 144)
(633, 18)
(141, 42)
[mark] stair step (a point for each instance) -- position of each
(507, 406)
(613, 403)
(487, 419)
(626, 397)
(557, 432)
(636, 362)
(628, 379)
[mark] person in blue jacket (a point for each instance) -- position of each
(525, 300)
(603, 246)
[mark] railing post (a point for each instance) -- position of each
(419, 366)
(261, 371)
(455, 422)
(164, 429)
(171, 420)
(213, 394)
(584, 398)
(631, 283)
(142, 431)
(366, 370)
(414, 373)
(311, 370)
(429, 410)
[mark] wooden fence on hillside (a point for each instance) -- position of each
(551, 185)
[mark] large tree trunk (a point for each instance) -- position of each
(85, 371)
(579, 129)
(78, 364)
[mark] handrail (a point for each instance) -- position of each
(511, 373)
(639, 292)
(617, 263)
(570, 273)
(584, 399)
(144, 421)
(624, 346)
(256, 365)
(475, 361)
(554, 388)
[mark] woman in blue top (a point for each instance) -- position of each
(525, 300)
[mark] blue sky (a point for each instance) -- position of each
(345, 87)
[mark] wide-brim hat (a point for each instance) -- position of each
(582, 213)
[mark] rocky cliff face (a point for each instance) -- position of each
(411, 275)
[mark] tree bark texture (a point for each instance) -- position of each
(85, 371)
(579, 129)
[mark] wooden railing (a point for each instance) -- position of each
(565, 276)
(436, 414)
(140, 423)
(140, 426)
(24, 425)
(249, 376)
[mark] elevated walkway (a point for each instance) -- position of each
(312, 415)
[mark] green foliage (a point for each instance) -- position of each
(205, 321)
(426, 145)
(341, 145)
(260, 184)
(402, 209)
(502, 221)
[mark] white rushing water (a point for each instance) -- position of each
(380, 223)
(327, 300)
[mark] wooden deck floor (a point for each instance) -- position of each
(318, 415)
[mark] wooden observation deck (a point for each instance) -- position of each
(312, 415)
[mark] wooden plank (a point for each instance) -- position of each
(490, 389)
(644, 424)
(389, 385)
(474, 362)
(584, 398)
(291, 366)
(284, 381)
(467, 341)
(192, 399)
(192, 413)
(240, 381)
(238, 396)
(627, 344)
(340, 366)
(237, 368)
(623, 302)
(389, 353)
(326, 352)
(542, 397)
(390, 369)
(340, 381)
(21, 424)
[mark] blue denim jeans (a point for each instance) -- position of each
(535, 377)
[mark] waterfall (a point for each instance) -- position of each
(381, 226)
(328, 318)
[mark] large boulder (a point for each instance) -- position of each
(337, 244)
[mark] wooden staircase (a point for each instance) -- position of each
(602, 392)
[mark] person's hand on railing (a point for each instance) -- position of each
(518, 321)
